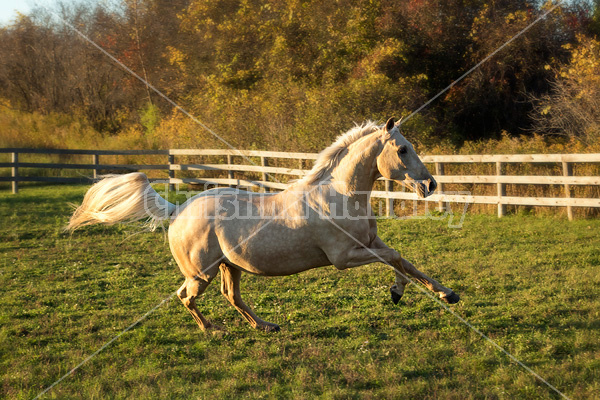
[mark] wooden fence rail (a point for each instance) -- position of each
(265, 168)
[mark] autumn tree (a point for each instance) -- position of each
(572, 108)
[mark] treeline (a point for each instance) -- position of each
(292, 74)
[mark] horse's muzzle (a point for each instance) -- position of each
(423, 188)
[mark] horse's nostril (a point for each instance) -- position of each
(432, 185)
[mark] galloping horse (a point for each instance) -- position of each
(323, 219)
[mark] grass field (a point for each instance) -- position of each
(531, 284)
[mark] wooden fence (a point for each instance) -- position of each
(265, 170)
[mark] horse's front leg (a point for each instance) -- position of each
(357, 256)
(446, 294)
(403, 269)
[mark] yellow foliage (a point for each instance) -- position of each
(176, 57)
(21, 129)
(584, 66)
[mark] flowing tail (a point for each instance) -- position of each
(121, 198)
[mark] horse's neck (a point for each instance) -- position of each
(357, 171)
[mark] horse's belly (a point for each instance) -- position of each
(279, 265)
(272, 250)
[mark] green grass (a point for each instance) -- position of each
(531, 284)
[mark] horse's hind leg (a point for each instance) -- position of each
(230, 287)
(187, 293)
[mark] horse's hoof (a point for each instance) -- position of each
(452, 298)
(395, 295)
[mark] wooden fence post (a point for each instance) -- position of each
(171, 171)
(15, 172)
(501, 187)
(96, 162)
(230, 172)
(389, 203)
(568, 171)
(265, 176)
(439, 170)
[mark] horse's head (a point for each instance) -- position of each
(398, 161)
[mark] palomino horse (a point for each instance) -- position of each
(323, 219)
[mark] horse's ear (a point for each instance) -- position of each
(389, 125)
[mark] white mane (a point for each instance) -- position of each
(331, 156)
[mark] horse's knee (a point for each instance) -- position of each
(396, 258)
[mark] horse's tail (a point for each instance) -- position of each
(121, 198)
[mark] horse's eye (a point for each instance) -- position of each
(402, 150)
